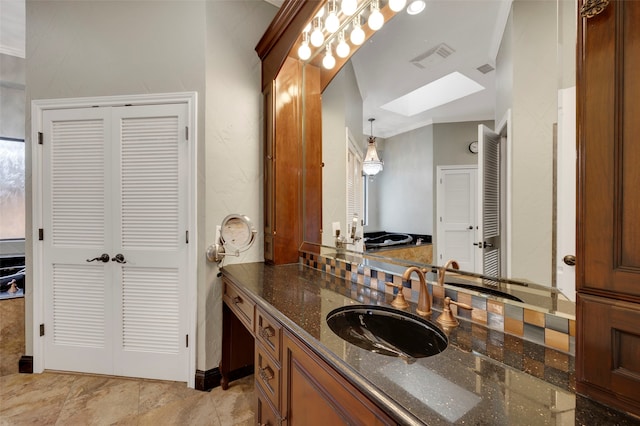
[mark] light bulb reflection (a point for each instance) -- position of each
(304, 51)
(317, 38)
(397, 5)
(376, 20)
(357, 34)
(349, 7)
(328, 61)
(342, 49)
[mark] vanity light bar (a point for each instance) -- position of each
(332, 26)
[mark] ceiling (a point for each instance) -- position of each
(411, 51)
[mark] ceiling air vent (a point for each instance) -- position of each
(485, 68)
(432, 56)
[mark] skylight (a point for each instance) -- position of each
(439, 92)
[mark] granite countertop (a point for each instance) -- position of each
(483, 377)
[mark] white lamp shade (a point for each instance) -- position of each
(343, 49)
(304, 51)
(332, 23)
(328, 61)
(357, 35)
(317, 38)
(349, 7)
(397, 5)
(376, 20)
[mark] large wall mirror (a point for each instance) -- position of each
(518, 58)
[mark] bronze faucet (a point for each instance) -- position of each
(447, 319)
(443, 269)
(424, 299)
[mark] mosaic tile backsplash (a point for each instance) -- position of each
(510, 318)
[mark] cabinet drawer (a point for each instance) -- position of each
(266, 414)
(267, 373)
(241, 305)
(269, 333)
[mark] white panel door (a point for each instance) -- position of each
(150, 200)
(76, 195)
(456, 226)
(116, 185)
(489, 220)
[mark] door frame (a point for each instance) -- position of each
(37, 109)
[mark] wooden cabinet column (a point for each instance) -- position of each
(608, 280)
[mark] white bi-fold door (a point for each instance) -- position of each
(114, 198)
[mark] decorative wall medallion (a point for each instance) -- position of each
(591, 8)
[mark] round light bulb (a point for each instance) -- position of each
(376, 20)
(304, 51)
(357, 35)
(349, 7)
(332, 23)
(317, 38)
(328, 61)
(415, 7)
(342, 49)
(397, 5)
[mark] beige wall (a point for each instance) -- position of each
(100, 48)
(233, 126)
(528, 61)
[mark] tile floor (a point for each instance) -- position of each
(65, 399)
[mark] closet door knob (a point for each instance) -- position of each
(119, 258)
(104, 258)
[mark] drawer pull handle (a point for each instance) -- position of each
(266, 374)
(237, 299)
(267, 332)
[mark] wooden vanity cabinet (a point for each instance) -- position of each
(315, 394)
(293, 386)
(237, 334)
(608, 233)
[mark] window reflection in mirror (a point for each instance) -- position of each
(12, 186)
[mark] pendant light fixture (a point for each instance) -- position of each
(372, 165)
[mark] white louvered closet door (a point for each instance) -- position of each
(488, 244)
(117, 185)
(150, 198)
(76, 195)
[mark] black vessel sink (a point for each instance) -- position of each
(387, 331)
(488, 291)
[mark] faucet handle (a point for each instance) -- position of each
(399, 301)
(447, 319)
